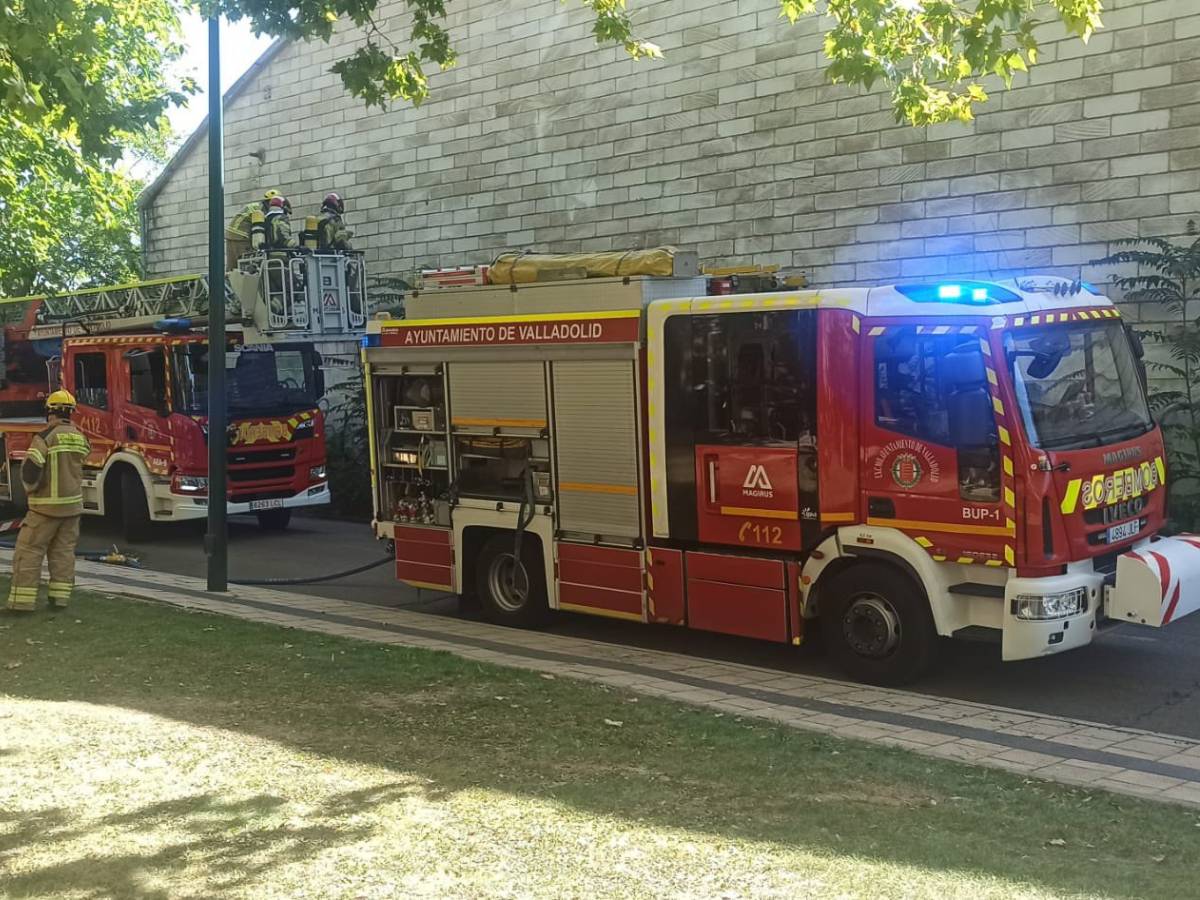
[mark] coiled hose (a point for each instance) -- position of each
(315, 579)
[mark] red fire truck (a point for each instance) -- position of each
(141, 384)
(897, 463)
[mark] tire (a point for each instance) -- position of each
(274, 519)
(135, 511)
(877, 625)
(505, 600)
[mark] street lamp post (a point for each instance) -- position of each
(216, 543)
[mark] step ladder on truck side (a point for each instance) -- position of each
(136, 357)
(890, 464)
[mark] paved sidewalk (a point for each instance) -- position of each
(1129, 761)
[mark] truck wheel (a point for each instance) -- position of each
(274, 519)
(877, 625)
(135, 511)
(512, 592)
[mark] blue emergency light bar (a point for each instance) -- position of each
(174, 325)
(970, 293)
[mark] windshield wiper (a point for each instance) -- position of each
(1125, 432)
(1072, 442)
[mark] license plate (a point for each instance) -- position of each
(266, 504)
(1124, 530)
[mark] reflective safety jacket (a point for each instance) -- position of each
(238, 228)
(279, 231)
(332, 233)
(53, 471)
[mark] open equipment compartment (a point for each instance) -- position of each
(414, 462)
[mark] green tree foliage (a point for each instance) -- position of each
(1168, 274)
(82, 84)
(932, 54)
(71, 223)
(380, 70)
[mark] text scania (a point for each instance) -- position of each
(531, 333)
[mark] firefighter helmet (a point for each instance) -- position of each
(60, 400)
(335, 202)
(270, 195)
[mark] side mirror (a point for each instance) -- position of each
(970, 418)
(318, 374)
(1043, 365)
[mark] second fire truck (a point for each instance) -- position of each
(895, 464)
(136, 357)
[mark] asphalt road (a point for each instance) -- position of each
(1129, 676)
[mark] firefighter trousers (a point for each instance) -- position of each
(47, 538)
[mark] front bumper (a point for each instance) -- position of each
(197, 507)
(1030, 638)
(1156, 583)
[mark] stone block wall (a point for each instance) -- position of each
(735, 146)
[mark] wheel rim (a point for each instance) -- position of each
(508, 583)
(871, 626)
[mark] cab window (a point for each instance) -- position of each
(91, 380)
(751, 378)
(147, 378)
(934, 388)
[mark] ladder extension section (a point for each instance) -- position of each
(124, 305)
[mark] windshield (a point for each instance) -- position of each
(259, 381)
(1078, 386)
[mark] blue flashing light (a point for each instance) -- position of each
(1091, 288)
(370, 340)
(969, 293)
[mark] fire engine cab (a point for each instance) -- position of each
(894, 463)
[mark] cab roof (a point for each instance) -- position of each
(964, 297)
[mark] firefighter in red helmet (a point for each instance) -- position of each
(278, 225)
(332, 233)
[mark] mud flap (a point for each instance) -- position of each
(1157, 583)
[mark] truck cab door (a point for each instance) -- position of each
(931, 458)
(85, 372)
(744, 388)
(142, 416)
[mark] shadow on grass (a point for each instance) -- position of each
(223, 840)
(456, 726)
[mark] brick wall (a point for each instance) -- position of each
(735, 146)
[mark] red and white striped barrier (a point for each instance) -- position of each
(1157, 583)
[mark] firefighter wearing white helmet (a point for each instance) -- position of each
(52, 473)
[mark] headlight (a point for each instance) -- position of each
(1051, 606)
(317, 473)
(191, 484)
(305, 429)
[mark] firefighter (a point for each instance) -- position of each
(237, 232)
(279, 226)
(52, 473)
(332, 233)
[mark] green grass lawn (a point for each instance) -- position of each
(147, 752)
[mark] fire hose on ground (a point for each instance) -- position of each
(119, 558)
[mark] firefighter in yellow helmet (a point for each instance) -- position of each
(237, 232)
(52, 473)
